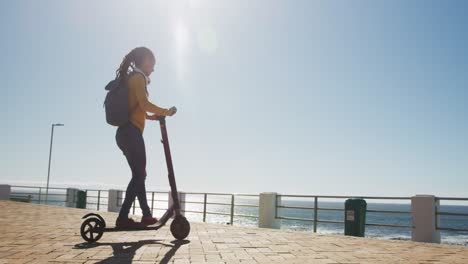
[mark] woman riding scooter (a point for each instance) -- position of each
(129, 137)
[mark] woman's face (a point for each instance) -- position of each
(148, 65)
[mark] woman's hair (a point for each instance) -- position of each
(133, 58)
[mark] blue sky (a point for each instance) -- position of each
(297, 97)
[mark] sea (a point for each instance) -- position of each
(217, 205)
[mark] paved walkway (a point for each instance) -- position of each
(43, 234)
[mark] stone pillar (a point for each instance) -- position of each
(267, 211)
(423, 211)
(181, 199)
(114, 201)
(5, 191)
(71, 197)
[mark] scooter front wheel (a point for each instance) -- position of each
(92, 229)
(180, 227)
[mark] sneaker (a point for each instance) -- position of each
(149, 220)
(126, 223)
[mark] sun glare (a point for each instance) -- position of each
(181, 38)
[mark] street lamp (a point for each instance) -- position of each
(50, 156)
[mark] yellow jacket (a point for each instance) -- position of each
(138, 103)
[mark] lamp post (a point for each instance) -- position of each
(50, 157)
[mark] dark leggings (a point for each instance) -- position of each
(130, 140)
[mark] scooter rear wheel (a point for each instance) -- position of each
(92, 229)
(180, 227)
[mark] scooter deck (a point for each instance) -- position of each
(142, 228)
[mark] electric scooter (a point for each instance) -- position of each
(94, 226)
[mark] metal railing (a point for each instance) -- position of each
(153, 201)
(37, 194)
(315, 220)
(97, 197)
(232, 205)
(442, 213)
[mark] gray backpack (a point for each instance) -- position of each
(116, 102)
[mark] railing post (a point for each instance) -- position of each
(232, 209)
(152, 202)
(315, 213)
(114, 200)
(267, 210)
(204, 207)
(40, 192)
(276, 205)
(71, 197)
(98, 198)
(424, 217)
(5, 192)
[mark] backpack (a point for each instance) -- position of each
(116, 102)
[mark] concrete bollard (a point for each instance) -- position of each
(71, 197)
(423, 211)
(267, 211)
(114, 201)
(5, 192)
(181, 201)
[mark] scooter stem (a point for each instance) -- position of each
(170, 168)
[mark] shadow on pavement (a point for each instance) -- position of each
(124, 252)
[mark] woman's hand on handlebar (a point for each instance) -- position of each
(172, 111)
(152, 117)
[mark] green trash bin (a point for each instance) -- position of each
(81, 199)
(355, 217)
